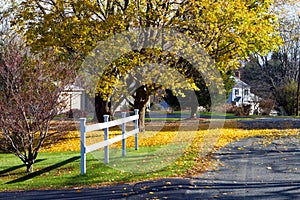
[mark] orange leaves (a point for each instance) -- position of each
(71, 140)
(230, 135)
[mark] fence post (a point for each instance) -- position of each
(82, 146)
(136, 126)
(106, 137)
(123, 135)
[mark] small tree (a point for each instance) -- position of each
(266, 105)
(285, 94)
(30, 97)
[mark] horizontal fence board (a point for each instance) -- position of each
(133, 132)
(108, 142)
(101, 126)
(102, 144)
(131, 118)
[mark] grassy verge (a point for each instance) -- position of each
(61, 170)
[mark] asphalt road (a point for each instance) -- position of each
(248, 169)
(258, 123)
(270, 122)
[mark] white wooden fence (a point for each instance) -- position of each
(105, 126)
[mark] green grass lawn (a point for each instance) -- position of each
(62, 170)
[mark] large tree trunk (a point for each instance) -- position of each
(298, 90)
(101, 108)
(142, 112)
(140, 101)
(297, 98)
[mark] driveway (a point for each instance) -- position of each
(248, 169)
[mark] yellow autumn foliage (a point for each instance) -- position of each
(218, 137)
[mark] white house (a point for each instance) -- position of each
(75, 98)
(241, 95)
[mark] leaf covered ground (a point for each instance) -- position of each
(198, 145)
(59, 163)
(70, 140)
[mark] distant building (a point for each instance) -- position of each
(241, 95)
(75, 98)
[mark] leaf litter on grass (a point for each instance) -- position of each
(191, 162)
(191, 153)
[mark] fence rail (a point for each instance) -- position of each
(105, 144)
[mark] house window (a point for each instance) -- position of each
(246, 93)
(236, 92)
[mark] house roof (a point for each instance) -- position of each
(239, 83)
